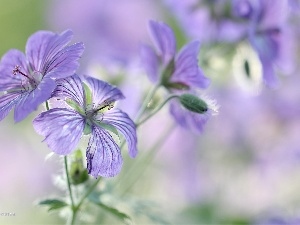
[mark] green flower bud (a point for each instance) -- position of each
(78, 172)
(193, 103)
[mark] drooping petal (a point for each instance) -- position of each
(164, 40)
(150, 62)
(32, 99)
(103, 154)
(125, 125)
(186, 67)
(269, 77)
(103, 91)
(7, 102)
(62, 129)
(9, 61)
(188, 119)
(70, 87)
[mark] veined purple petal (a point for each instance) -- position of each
(125, 125)
(9, 61)
(103, 154)
(187, 119)
(164, 40)
(42, 46)
(7, 102)
(32, 99)
(47, 53)
(103, 91)
(186, 67)
(65, 131)
(70, 87)
(150, 62)
(64, 63)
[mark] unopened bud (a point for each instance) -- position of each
(193, 103)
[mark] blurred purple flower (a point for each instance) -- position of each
(28, 80)
(89, 103)
(180, 71)
(176, 72)
(208, 21)
(109, 29)
(266, 34)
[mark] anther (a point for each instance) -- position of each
(17, 70)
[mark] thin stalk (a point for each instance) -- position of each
(146, 102)
(70, 190)
(156, 110)
(151, 153)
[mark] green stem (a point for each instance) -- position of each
(146, 161)
(146, 102)
(89, 191)
(70, 190)
(156, 110)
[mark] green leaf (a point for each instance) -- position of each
(115, 212)
(53, 204)
(193, 103)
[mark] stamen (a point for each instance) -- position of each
(17, 70)
(110, 105)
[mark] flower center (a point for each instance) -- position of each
(96, 114)
(31, 80)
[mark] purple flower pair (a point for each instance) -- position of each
(178, 73)
(47, 71)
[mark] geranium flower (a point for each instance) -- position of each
(28, 80)
(92, 112)
(178, 73)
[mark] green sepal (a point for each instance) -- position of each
(53, 204)
(75, 106)
(87, 129)
(88, 95)
(168, 72)
(177, 86)
(78, 172)
(108, 127)
(193, 103)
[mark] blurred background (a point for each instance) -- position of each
(243, 169)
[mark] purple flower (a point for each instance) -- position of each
(28, 80)
(267, 33)
(91, 112)
(176, 72)
(180, 71)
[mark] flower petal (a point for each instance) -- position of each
(64, 63)
(186, 67)
(42, 46)
(103, 154)
(7, 102)
(70, 87)
(9, 61)
(32, 99)
(62, 129)
(103, 91)
(47, 53)
(150, 62)
(125, 125)
(187, 119)
(164, 40)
